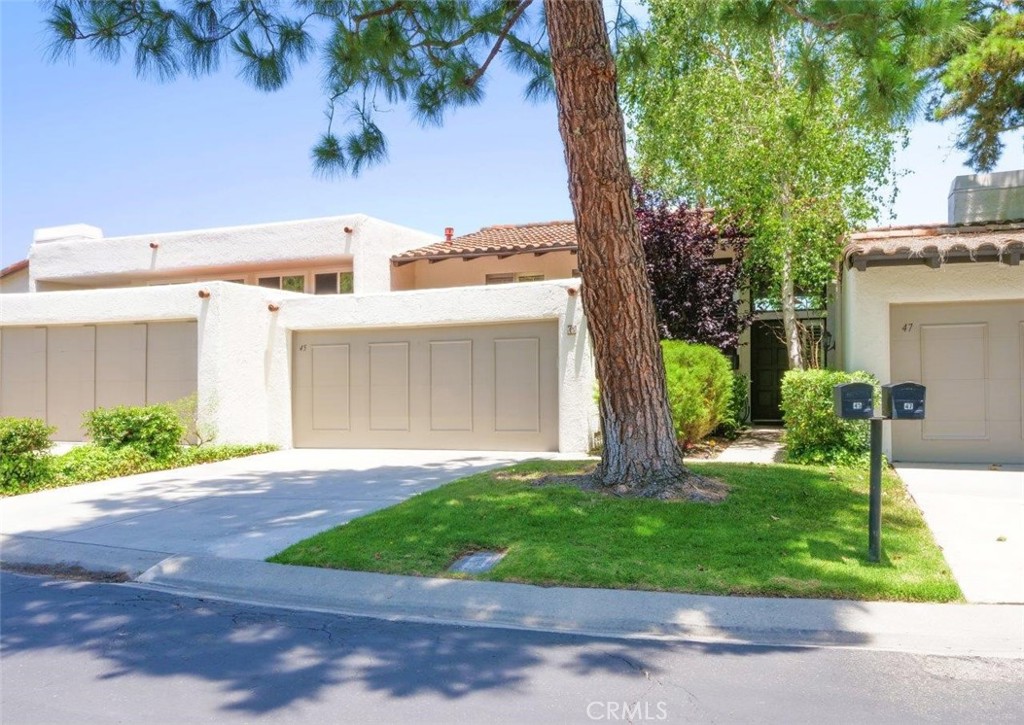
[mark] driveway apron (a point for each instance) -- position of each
(977, 516)
(246, 508)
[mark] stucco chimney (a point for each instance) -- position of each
(976, 198)
(66, 233)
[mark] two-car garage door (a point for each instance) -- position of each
(970, 357)
(488, 387)
(57, 373)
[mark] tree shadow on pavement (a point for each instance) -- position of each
(263, 661)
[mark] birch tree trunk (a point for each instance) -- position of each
(790, 326)
(640, 448)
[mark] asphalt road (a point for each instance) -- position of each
(82, 652)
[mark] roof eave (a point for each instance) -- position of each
(400, 261)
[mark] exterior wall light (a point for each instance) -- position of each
(273, 308)
(153, 245)
(204, 294)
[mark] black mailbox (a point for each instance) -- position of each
(903, 401)
(854, 400)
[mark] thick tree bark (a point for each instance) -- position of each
(640, 448)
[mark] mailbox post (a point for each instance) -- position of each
(900, 401)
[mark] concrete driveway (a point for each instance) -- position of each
(977, 516)
(247, 508)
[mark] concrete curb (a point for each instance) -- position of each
(21, 550)
(962, 630)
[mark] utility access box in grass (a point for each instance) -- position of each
(903, 401)
(854, 400)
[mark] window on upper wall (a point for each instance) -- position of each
(288, 282)
(510, 277)
(332, 283)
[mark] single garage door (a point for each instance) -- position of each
(57, 373)
(491, 387)
(970, 357)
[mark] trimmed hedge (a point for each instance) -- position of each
(24, 452)
(155, 430)
(814, 433)
(700, 388)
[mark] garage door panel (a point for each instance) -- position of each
(330, 378)
(436, 388)
(70, 379)
(517, 388)
(389, 386)
(954, 352)
(120, 365)
(956, 409)
(23, 372)
(171, 361)
(451, 385)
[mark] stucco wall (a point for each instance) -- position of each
(127, 260)
(462, 273)
(866, 297)
(232, 327)
(244, 348)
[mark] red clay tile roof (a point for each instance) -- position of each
(499, 239)
(936, 242)
(11, 269)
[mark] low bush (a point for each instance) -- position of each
(24, 452)
(699, 381)
(154, 430)
(736, 413)
(814, 433)
(95, 463)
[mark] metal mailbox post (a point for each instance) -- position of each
(900, 401)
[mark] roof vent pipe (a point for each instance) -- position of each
(449, 232)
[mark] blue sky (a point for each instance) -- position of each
(88, 142)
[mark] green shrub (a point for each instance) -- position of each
(193, 455)
(736, 414)
(154, 430)
(24, 452)
(95, 463)
(699, 380)
(814, 433)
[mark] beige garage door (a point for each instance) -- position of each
(970, 357)
(57, 373)
(474, 388)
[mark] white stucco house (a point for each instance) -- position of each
(943, 304)
(331, 332)
(353, 332)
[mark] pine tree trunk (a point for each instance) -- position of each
(640, 448)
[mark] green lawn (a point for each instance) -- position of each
(783, 531)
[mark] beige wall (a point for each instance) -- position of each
(463, 273)
(16, 282)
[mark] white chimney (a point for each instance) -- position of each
(66, 233)
(995, 197)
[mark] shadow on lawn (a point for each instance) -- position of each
(264, 661)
